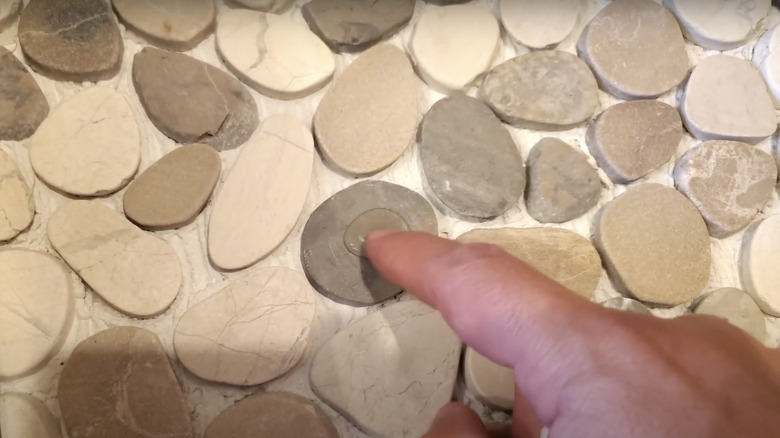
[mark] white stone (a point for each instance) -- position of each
(490, 383)
(391, 371)
(263, 196)
(736, 307)
(88, 146)
(23, 416)
(539, 24)
(273, 54)
(137, 273)
(36, 310)
(172, 24)
(759, 259)
(721, 24)
(17, 208)
(766, 56)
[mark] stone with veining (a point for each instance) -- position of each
(626, 304)
(23, 107)
(24, 416)
(391, 371)
(490, 383)
(17, 207)
(171, 24)
(539, 24)
(719, 25)
(9, 11)
(137, 273)
(766, 56)
(470, 161)
(736, 307)
(758, 263)
(191, 101)
(264, 194)
(120, 383)
(265, 5)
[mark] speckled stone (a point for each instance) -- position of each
(736, 307)
(23, 107)
(719, 25)
(24, 416)
(17, 206)
(490, 383)
(626, 304)
(171, 24)
(758, 262)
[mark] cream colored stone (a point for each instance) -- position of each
(539, 24)
(722, 24)
(766, 56)
(23, 416)
(490, 383)
(170, 24)
(736, 307)
(17, 208)
(758, 264)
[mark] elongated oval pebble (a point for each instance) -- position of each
(171, 24)
(766, 56)
(758, 263)
(539, 24)
(736, 307)
(720, 25)
(263, 196)
(23, 107)
(490, 383)
(17, 207)
(135, 272)
(89, 146)
(23, 416)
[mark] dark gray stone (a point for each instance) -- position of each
(23, 107)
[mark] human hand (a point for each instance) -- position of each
(586, 371)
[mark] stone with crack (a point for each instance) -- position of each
(737, 307)
(9, 11)
(265, 5)
(758, 263)
(171, 24)
(17, 207)
(24, 416)
(23, 107)
(539, 24)
(720, 25)
(490, 383)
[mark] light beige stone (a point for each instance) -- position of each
(758, 262)
(490, 383)
(719, 25)
(23, 416)
(171, 24)
(539, 24)
(766, 56)
(17, 207)
(736, 307)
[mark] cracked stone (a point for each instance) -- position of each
(766, 56)
(391, 371)
(23, 416)
(119, 383)
(193, 102)
(265, 5)
(330, 264)
(626, 304)
(9, 11)
(539, 24)
(264, 194)
(36, 310)
(721, 25)
(758, 263)
(736, 307)
(489, 382)
(23, 107)
(17, 207)
(71, 40)
(171, 24)
(89, 146)
(137, 273)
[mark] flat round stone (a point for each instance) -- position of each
(369, 117)
(23, 107)
(736, 307)
(119, 383)
(471, 163)
(632, 139)
(17, 207)
(137, 273)
(265, 5)
(562, 184)
(720, 25)
(263, 196)
(36, 310)
(400, 361)
(171, 24)
(758, 263)
(539, 24)
(23, 416)
(193, 102)
(655, 245)
(454, 45)
(728, 181)
(9, 11)
(274, 54)
(89, 146)
(542, 90)
(636, 49)
(626, 304)
(331, 266)
(363, 225)
(490, 383)
(355, 25)
(727, 99)
(71, 40)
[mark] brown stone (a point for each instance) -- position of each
(23, 107)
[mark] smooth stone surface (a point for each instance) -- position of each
(273, 414)
(263, 196)
(173, 191)
(9, 11)
(36, 310)
(719, 25)
(253, 331)
(71, 40)
(729, 182)
(23, 107)
(766, 56)
(90, 145)
(758, 264)
(363, 225)
(636, 49)
(561, 255)
(273, 54)
(469, 159)
(539, 24)
(265, 5)
(331, 266)
(542, 90)
(626, 304)
(193, 102)
(137, 273)
(17, 207)
(490, 383)
(736, 307)
(171, 24)
(369, 116)
(391, 371)
(655, 245)
(453, 46)
(23, 416)
(119, 383)
(727, 99)
(632, 139)
(355, 25)
(562, 185)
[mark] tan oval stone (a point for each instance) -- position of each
(171, 24)
(736, 307)
(490, 383)
(17, 207)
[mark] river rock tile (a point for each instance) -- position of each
(17, 207)
(758, 263)
(721, 25)
(171, 24)
(539, 24)
(736, 307)
(23, 107)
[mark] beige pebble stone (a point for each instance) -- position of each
(24, 416)
(265, 5)
(758, 264)
(17, 207)
(766, 56)
(655, 245)
(135, 272)
(9, 11)
(539, 24)
(626, 304)
(171, 24)
(719, 25)
(490, 383)
(736, 307)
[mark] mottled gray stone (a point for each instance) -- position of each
(23, 107)
(626, 304)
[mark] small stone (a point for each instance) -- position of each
(766, 56)
(171, 24)
(632, 139)
(539, 24)
(655, 245)
(265, 5)
(17, 208)
(369, 117)
(89, 146)
(264, 194)
(355, 25)
(326, 255)
(727, 99)
(470, 160)
(23, 107)
(758, 263)
(490, 383)
(562, 185)
(391, 371)
(736, 307)
(23, 416)
(453, 46)
(119, 383)
(9, 11)
(626, 304)
(139, 274)
(636, 49)
(71, 40)
(542, 90)
(274, 307)
(173, 191)
(721, 25)
(729, 182)
(193, 102)
(273, 54)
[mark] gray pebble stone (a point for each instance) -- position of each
(23, 107)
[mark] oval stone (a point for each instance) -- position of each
(23, 107)
(171, 24)
(23, 416)
(722, 25)
(539, 24)
(137, 273)
(490, 383)
(17, 207)
(736, 307)
(758, 262)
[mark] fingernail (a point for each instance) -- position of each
(378, 234)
